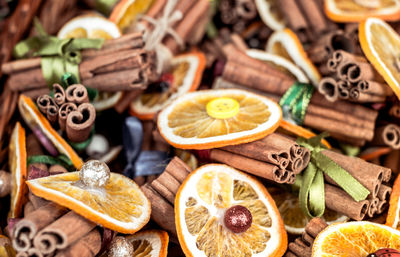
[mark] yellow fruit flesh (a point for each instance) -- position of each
(190, 118)
(178, 73)
(118, 199)
(99, 33)
(13, 160)
(358, 241)
(279, 49)
(130, 15)
(353, 6)
(141, 248)
(77, 33)
(212, 237)
(388, 48)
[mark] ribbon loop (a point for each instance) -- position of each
(295, 101)
(312, 192)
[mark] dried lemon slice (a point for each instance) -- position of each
(126, 12)
(113, 201)
(355, 239)
(220, 211)
(215, 118)
(270, 14)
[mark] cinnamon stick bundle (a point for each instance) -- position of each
(336, 121)
(161, 193)
(120, 64)
(388, 135)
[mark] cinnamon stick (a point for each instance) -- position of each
(87, 246)
(374, 88)
(392, 161)
(127, 98)
(387, 135)
(329, 88)
(373, 207)
(62, 233)
(59, 94)
(79, 123)
(63, 113)
(77, 94)
(314, 16)
(295, 18)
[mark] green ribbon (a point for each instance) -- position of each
(311, 182)
(58, 55)
(62, 160)
(295, 101)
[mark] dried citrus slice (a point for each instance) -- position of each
(89, 26)
(113, 201)
(355, 239)
(189, 158)
(220, 211)
(381, 45)
(149, 243)
(186, 70)
(106, 100)
(17, 164)
(35, 120)
(286, 44)
(360, 10)
(6, 250)
(216, 118)
(126, 12)
(280, 63)
(294, 218)
(270, 14)
(393, 217)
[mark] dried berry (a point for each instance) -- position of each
(238, 219)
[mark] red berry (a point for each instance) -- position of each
(385, 252)
(167, 77)
(238, 219)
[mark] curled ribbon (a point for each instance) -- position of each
(311, 181)
(162, 27)
(58, 55)
(295, 101)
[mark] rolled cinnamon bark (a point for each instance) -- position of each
(373, 207)
(63, 113)
(323, 48)
(48, 106)
(87, 246)
(374, 88)
(26, 229)
(387, 135)
(346, 205)
(295, 18)
(168, 181)
(59, 94)
(36, 201)
(162, 210)
(314, 16)
(395, 111)
(382, 206)
(368, 174)
(79, 123)
(384, 192)
(178, 169)
(127, 98)
(329, 88)
(62, 233)
(36, 92)
(258, 168)
(356, 95)
(392, 161)
(77, 94)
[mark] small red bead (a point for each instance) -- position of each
(168, 77)
(385, 252)
(238, 219)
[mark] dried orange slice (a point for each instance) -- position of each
(35, 119)
(360, 10)
(113, 201)
(381, 45)
(186, 70)
(270, 14)
(286, 44)
(215, 118)
(393, 217)
(355, 239)
(17, 164)
(126, 12)
(149, 243)
(294, 218)
(89, 26)
(106, 100)
(220, 211)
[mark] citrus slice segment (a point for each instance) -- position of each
(35, 119)
(215, 118)
(89, 26)
(360, 10)
(149, 243)
(286, 44)
(280, 63)
(294, 218)
(106, 100)
(186, 70)
(119, 204)
(381, 45)
(393, 217)
(270, 14)
(17, 164)
(220, 211)
(355, 239)
(126, 12)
